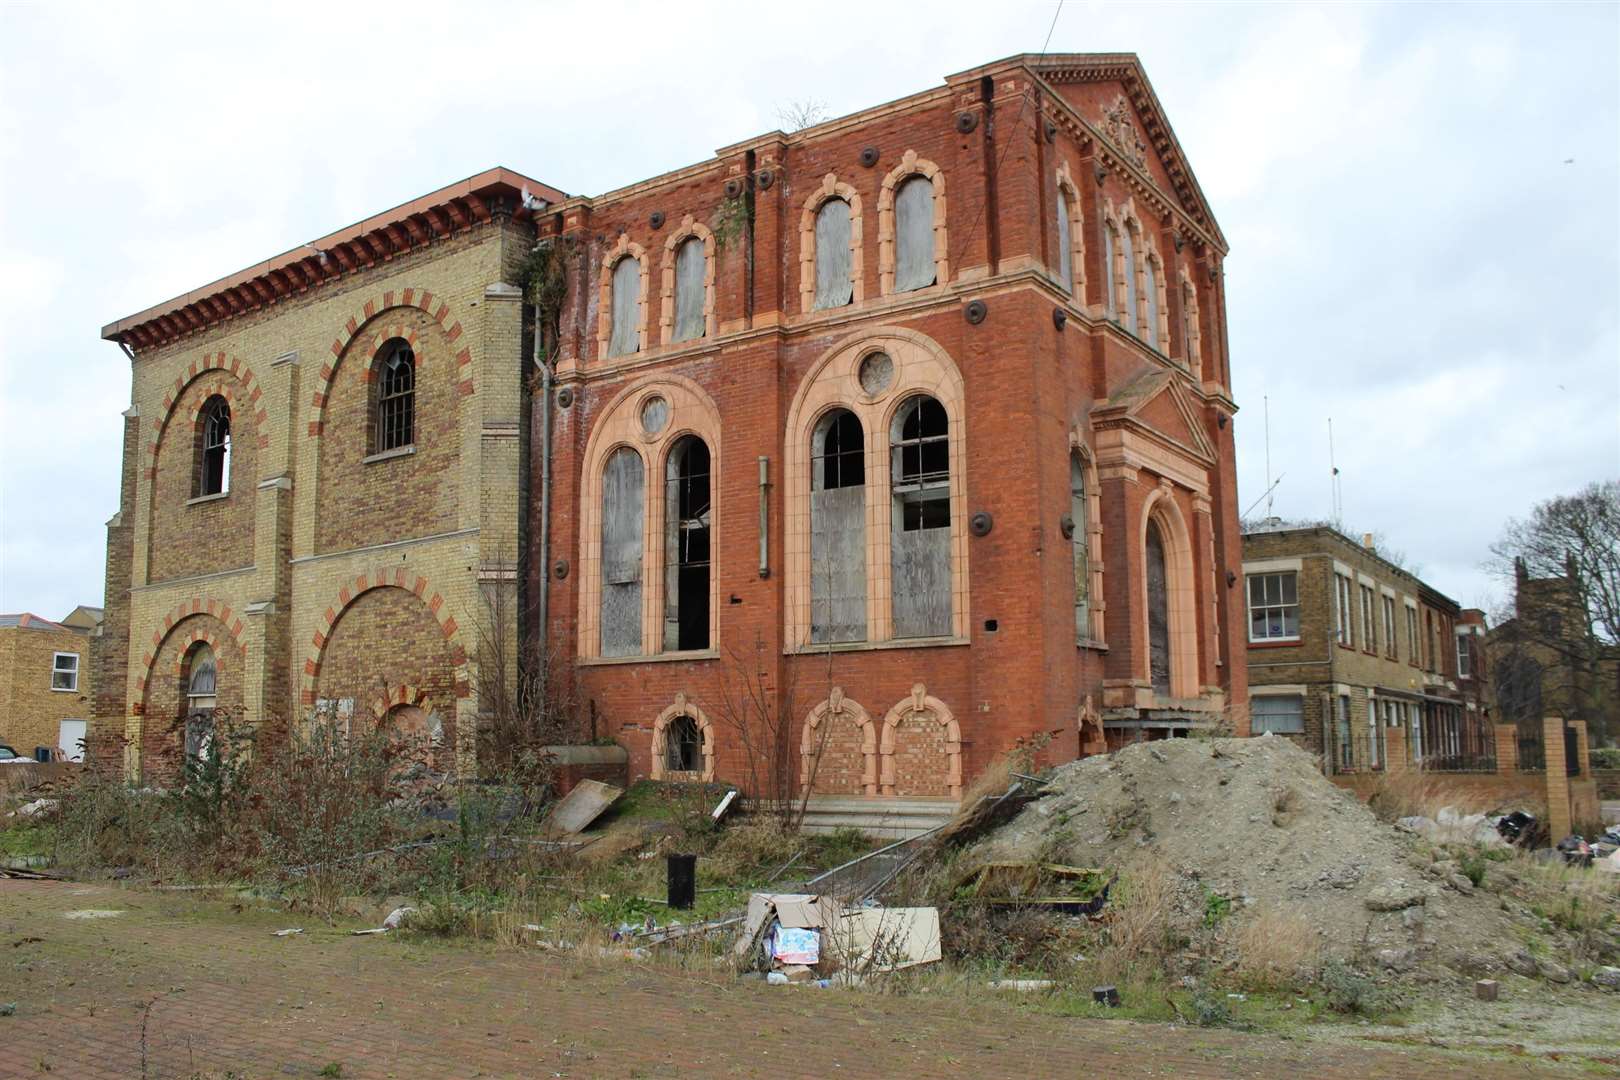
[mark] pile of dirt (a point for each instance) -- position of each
(1255, 825)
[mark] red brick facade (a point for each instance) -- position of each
(1056, 299)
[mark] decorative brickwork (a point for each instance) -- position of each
(623, 249)
(423, 650)
(921, 748)
(218, 611)
(839, 745)
(160, 733)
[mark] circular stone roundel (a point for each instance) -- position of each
(876, 373)
(654, 414)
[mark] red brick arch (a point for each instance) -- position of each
(397, 578)
(197, 605)
(422, 300)
(396, 696)
(247, 395)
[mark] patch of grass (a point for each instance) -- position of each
(1216, 908)
(1346, 990)
(22, 841)
(331, 1069)
(1474, 863)
(1277, 951)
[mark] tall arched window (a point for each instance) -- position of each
(622, 516)
(914, 234)
(1080, 544)
(1158, 611)
(834, 285)
(1065, 256)
(625, 337)
(686, 545)
(920, 523)
(1152, 298)
(838, 529)
(1128, 253)
(201, 686)
(396, 397)
(690, 283)
(1110, 272)
(214, 469)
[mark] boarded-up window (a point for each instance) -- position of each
(838, 529)
(622, 489)
(1152, 302)
(1128, 251)
(1065, 256)
(920, 479)
(1081, 546)
(914, 234)
(834, 287)
(1158, 612)
(626, 307)
(690, 272)
(686, 545)
(1110, 291)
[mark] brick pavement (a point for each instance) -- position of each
(175, 987)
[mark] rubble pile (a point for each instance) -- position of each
(1254, 824)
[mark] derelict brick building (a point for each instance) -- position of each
(912, 426)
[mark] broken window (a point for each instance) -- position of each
(686, 545)
(1065, 257)
(214, 476)
(396, 398)
(1128, 254)
(626, 337)
(622, 487)
(201, 689)
(1158, 612)
(1110, 299)
(1152, 304)
(914, 234)
(1079, 543)
(921, 520)
(690, 272)
(834, 286)
(683, 745)
(838, 529)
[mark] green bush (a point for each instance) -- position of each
(1607, 757)
(1349, 991)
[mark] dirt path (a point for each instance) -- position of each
(175, 987)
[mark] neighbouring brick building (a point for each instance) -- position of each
(912, 427)
(1344, 646)
(45, 681)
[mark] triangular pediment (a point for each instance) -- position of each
(1158, 402)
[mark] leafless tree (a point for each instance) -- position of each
(798, 115)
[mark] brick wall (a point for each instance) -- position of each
(164, 705)
(34, 711)
(191, 535)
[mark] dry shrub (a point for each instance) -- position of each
(1139, 932)
(1276, 950)
(1420, 794)
(751, 848)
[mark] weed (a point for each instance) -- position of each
(1349, 991)
(1210, 1009)
(1216, 908)
(331, 1069)
(1474, 863)
(1277, 950)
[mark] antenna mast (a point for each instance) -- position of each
(1335, 492)
(1269, 485)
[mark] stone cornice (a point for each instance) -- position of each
(435, 217)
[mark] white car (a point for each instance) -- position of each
(8, 756)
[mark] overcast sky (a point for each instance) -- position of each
(1423, 205)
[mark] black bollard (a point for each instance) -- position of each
(682, 881)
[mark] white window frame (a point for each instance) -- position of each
(1345, 626)
(1465, 647)
(1260, 692)
(1387, 602)
(1249, 599)
(58, 669)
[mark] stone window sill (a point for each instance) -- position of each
(389, 455)
(816, 648)
(215, 497)
(655, 658)
(1092, 644)
(1272, 643)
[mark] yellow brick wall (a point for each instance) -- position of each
(32, 711)
(282, 359)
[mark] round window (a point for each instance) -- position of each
(876, 373)
(654, 415)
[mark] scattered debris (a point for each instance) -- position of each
(1485, 989)
(8, 1008)
(1105, 995)
(1023, 986)
(287, 933)
(91, 913)
(582, 805)
(725, 804)
(397, 917)
(1450, 827)
(1075, 890)
(32, 809)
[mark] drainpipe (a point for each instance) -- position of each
(544, 364)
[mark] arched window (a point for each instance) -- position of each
(1080, 543)
(214, 471)
(1158, 611)
(1189, 330)
(914, 234)
(1152, 298)
(920, 523)
(1110, 272)
(626, 335)
(690, 283)
(683, 746)
(1065, 256)
(201, 687)
(622, 515)
(834, 286)
(1128, 252)
(686, 545)
(396, 397)
(838, 529)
